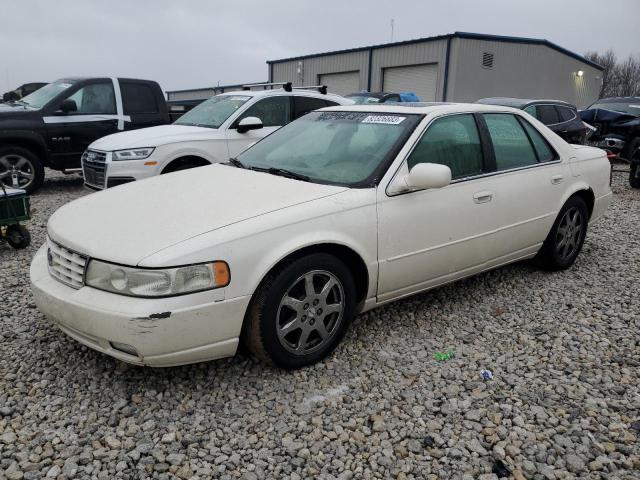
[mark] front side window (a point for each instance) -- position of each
(213, 112)
(343, 148)
(94, 99)
(44, 95)
(452, 141)
(510, 142)
(273, 111)
(547, 114)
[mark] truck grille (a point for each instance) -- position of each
(65, 265)
(94, 168)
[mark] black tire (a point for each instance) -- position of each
(31, 164)
(564, 242)
(630, 148)
(278, 333)
(634, 173)
(18, 236)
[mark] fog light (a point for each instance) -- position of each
(123, 347)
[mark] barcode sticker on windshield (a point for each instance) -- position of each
(385, 119)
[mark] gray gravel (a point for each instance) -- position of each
(564, 401)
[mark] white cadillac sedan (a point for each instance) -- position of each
(341, 211)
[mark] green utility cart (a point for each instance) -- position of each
(14, 208)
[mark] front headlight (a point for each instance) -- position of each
(133, 154)
(156, 282)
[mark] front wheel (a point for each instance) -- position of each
(564, 242)
(300, 311)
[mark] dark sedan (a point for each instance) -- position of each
(559, 116)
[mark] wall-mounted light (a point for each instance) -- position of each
(579, 73)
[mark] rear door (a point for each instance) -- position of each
(571, 127)
(140, 104)
(96, 116)
(526, 188)
(274, 111)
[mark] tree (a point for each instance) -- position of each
(619, 79)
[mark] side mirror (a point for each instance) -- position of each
(68, 106)
(249, 123)
(428, 175)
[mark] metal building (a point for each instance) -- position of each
(459, 67)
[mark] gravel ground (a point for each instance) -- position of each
(563, 403)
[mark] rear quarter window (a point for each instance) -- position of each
(566, 114)
(138, 98)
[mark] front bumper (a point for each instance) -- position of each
(164, 332)
(108, 173)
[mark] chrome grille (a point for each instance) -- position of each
(66, 265)
(94, 168)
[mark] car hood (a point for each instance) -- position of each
(155, 136)
(125, 224)
(11, 110)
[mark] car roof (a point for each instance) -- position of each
(520, 102)
(421, 108)
(296, 91)
(617, 99)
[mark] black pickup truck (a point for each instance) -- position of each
(53, 126)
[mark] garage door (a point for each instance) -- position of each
(341, 83)
(419, 79)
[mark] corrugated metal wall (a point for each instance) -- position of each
(413, 54)
(519, 70)
(312, 68)
(190, 94)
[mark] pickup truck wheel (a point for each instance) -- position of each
(301, 311)
(565, 240)
(20, 168)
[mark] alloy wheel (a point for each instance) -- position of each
(569, 233)
(310, 312)
(16, 171)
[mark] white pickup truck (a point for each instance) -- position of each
(212, 132)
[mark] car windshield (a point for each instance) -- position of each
(632, 108)
(44, 95)
(363, 99)
(340, 148)
(213, 112)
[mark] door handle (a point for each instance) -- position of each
(557, 179)
(482, 197)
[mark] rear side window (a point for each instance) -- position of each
(304, 105)
(273, 111)
(566, 114)
(452, 141)
(531, 110)
(543, 150)
(547, 114)
(510, 142)
(138, 98)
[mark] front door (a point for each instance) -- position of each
(274, 112)
(429, 237)
(70, 134)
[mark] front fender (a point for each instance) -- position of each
(169, 153)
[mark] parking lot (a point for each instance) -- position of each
(563, 401)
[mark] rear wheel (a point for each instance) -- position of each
(565, 240)
(18, 236)
(301, 311)
(20, 168)
(634, 173)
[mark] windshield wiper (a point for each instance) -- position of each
(287, 173)
(236, 163)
